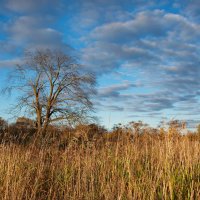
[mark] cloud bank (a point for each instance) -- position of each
(145, 54)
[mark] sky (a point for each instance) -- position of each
(145, 54)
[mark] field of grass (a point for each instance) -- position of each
(145, 168)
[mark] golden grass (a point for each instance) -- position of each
(146, 168)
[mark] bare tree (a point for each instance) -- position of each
(52, 87)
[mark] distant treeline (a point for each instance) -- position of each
(24, 132)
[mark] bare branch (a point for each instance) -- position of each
(52, 87)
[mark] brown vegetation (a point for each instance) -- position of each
(131, 162)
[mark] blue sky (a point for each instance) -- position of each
(145, 53)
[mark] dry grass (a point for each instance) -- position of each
(148, 168)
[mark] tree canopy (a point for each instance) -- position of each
(53, 87)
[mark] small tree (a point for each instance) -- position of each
(3, 125)
(198, 131)
(52, 88)
(3, 128)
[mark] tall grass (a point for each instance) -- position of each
(146, 168)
